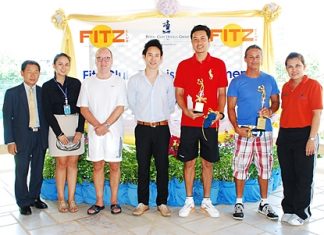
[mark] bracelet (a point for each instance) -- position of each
(223, 115)
(311, 138)
(107, 125)
(60, 135)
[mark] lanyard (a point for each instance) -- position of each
(65, 93)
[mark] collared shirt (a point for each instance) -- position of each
(151, 102)
(35, 100)
(249, 99)
(212, 71)
(298, 104)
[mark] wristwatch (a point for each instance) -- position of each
(312, 138)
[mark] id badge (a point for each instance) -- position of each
(67, 109)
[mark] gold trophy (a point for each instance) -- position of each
(261, 121)
(200, 99)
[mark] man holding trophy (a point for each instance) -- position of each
(200, 83)
(251, 100)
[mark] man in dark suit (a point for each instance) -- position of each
(26, 133)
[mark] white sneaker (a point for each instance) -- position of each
(286, 217)
(295, 220)
(188, 207)
(207, 206)
(267, 210)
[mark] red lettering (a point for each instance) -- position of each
(234, 33)
(248, 32)
(118, 33)
(84, 34)
(215, 33)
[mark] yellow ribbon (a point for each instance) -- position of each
(270, 12)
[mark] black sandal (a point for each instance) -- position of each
(95, 208)
(115, 209)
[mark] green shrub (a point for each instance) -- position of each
(49, 167)
(222, 169)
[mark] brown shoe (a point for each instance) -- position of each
(73, 207)
(164, 210)
(140, 209)
(62, 206)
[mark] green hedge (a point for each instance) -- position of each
(222, 169)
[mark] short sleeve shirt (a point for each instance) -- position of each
(102, 96)
(212, 71)
(298, 104)
(249, 99)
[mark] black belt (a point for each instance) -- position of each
(253, 131)
(34, 129)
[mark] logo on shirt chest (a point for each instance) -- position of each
(211, 75)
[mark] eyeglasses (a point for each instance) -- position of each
(100, 59)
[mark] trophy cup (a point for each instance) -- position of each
(261, 121)
(200, 99)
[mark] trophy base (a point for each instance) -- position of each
(197, 111)
(199, 107)
(261, 124)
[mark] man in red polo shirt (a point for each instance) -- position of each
(200, 83)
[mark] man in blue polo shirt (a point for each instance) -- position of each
(251, 100)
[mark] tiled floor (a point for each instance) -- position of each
(50, 221)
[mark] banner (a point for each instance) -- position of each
(229, 39)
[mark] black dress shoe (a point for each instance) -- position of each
(25, 210)
(39, 204)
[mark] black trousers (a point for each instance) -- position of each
(30, 157)
(297, 171)
(152, 141)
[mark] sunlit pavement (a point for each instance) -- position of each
(50, 221)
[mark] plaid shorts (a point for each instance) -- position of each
(257, 149)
